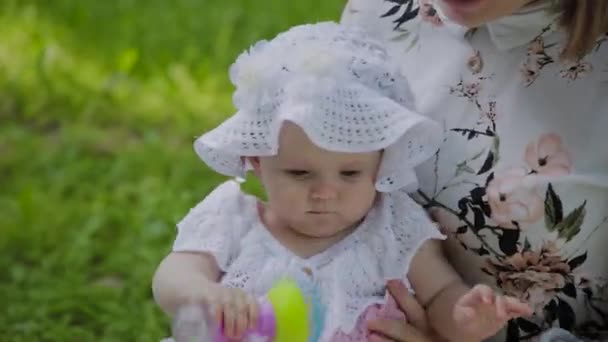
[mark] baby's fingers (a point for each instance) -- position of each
(480, 294)
(216, 310)
(230, 319)
(242, 316)
(253, 311)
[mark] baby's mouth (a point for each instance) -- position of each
(319, 212)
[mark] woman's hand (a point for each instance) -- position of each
(416, 329)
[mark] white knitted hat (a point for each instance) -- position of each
(336, 83)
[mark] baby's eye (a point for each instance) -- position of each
(297, 173)
(350, 173)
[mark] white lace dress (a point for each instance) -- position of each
(351, 275)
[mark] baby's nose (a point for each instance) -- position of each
(324, 191)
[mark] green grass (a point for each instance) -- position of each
(99, 104)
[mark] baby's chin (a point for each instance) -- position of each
(322, 230)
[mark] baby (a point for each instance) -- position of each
(326, 121)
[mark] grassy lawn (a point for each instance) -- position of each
(100, 102)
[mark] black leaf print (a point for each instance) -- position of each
(479, 219)
(486, 209)
(527, 245)
(569, 290)
(462, 230)
(488, 164)
(550, 311)
(490, 178)
(600, 312)
(484, 270)
(571, 225)
(554, 212)
(593, 331)
(409, 13)
(565, 315)
(588, 292)
(576, 262)
(527, 326)
(464, 208)
(464, 246)
(512, 332)
(392, 11)
(477, 195)
(481, 251)
(508, 241)
(470, 134)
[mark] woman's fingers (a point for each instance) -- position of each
(397, 330)
(415, 313)
(516, 308)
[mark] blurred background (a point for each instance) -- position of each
(100, 102)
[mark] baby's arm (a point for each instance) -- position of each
(438, 287)
(183, 278)
(192, 278)
(456, 311)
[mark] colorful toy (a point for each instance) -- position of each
(285, 316)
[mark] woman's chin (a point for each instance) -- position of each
(464, 12)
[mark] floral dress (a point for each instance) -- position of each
(520, 183)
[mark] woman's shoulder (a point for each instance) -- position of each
(382, 18)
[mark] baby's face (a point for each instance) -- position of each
(316, 192)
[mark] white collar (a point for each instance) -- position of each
(522, 27)
(515, 30)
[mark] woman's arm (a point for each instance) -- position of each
(416, 329)
(183, 278)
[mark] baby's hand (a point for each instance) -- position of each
(234, 307)
(482, 313)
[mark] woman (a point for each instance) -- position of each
(521, 181)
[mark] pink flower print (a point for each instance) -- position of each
(537, 47)
(511, 202)
(574, 71)
(429, 14)
(467, 90)
(471, 90)
(475, 63)
(488, 116)
(548, 156)
(533, 276)
(537, 59)
(529, 71)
